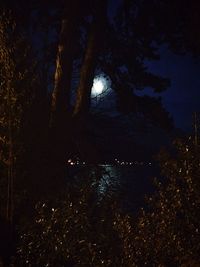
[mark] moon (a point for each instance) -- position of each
(97, 87)
(100, 84)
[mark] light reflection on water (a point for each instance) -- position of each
(131, 182)
(110, 178)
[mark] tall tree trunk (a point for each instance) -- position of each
(87, 150)
(60, 116)
(10, 185)
(64, 65)
(89, 63)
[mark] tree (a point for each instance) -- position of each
(167, 231)
(17, 79)
(117, 47)
(15, 93)
(64, 64)
(76, 229)
(91, 54)
(177, 25)
(105, 52)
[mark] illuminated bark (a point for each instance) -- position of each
(64, 65)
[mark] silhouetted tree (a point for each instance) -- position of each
(16, 93)
(91, 54)
(166, 233)
(64, 64)
(16, 83)
(78, 228)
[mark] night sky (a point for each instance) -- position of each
(181, 99)
(99, 150)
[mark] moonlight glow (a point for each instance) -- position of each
(100, 85)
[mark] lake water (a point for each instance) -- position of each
(131, 182)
